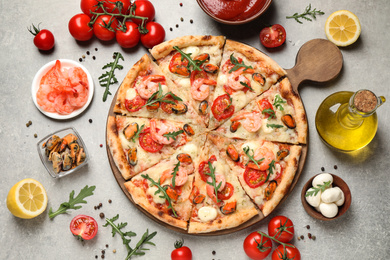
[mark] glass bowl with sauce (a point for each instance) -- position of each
(234, 12)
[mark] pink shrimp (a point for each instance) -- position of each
(158, 129)
(200, 88)
(181, 175)
(251, 121)
(237, 78)
(149, 85)
(46, 97)
(79, 95)
(219, 179)
(62, 105)
(265, 155)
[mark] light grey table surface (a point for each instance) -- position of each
(362, 233)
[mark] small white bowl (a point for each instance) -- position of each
(64, 64)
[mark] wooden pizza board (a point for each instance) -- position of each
(317, 61)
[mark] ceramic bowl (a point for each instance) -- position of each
(267, 3)
(337, 182)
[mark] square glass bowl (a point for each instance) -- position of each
(45, 159)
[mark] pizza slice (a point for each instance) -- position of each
(136, 144)
(245, 73)
(276, 115)
(147, 92)
(219, 200)
(164, 189)
(192, 62)
(265, 169)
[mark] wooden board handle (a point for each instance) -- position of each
(317, 61)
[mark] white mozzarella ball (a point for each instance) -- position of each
(314, 201)
(207, 213)
(341, 201)
(321, 178)
(329, 210)
(331, 195)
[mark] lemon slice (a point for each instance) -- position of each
(342, 28)
(27, 199)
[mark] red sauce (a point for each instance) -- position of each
(233, 10)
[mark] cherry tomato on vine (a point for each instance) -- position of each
(44, 39)
(100, 30)
(89, 5)
(282, 228)
(273, 36)
(181, 252)
(257, 246)
(289, 253)
(79, 28)
(156, 35)
(130, 38)
(110, 6)
(144, 8)
(84, 227)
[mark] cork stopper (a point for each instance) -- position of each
(365, 101)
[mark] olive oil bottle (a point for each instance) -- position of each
(347, 121)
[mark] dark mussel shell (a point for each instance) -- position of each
(210, 68)
(179, 109)
(203, 107)
(184, 158)
(258, 78)
(232, 152)
(130, 130)
(234, 126)
(132, 156)
(188, 130)
(289, 121)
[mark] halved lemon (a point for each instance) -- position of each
(27, 199)
(342, 28)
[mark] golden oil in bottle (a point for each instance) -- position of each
(347, 121)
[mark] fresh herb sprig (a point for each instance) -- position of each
(126, 237)
(308, 12)
(214, 181)
(162, 190)
(320, 187)
(270, 169)
(270, 112)
(173, 135)
(251, 157)
(278, 102)
(274, 126)
(136, 135)
(246, 85)
(159, 97)
(108, 78)
(71, 204)
(174, 173)
(195, 64)
(238, 64)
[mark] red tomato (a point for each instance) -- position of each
(89, 5)
(196, 74)
(222, 107)
(227, 192)
(289, 253)
(144, 8)
(79, 28)
(147, 143)
(130, 38)
(282, 227)
(264, 104)
(44, 39)
(204, 168)
(273, 36)
(110, 6)
(135, 104)
(257, 246)
(156, 35)
(85, 227)
(103, 33)
(166, 107)
(181, 252)
(254, 178)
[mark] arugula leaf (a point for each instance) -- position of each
(308, 12)
(270, 112)
(159, 97)
(214, 183)
(108, 78)
(278, 102)
(274, 126)
(270, 169)
(246, 85)
(237, 64)
(194, 63)
(71, 204)
(251, 156)
(126, 237)
(139, 130)
(173, 135)
(174, 173)
(317, 189)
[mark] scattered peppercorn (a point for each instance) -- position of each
(181, 4)
(35, 135)
(299, 238)
(191, 21)
(96, 49)
(101, 215)
(102, 256)
(114, 251)
(322, 169)
(101, 145)
(109, 201)
(213, 252)
(87, 52)
(103, 252)
(80, 60)
(106, 245)
(313, 237)
(170, 28)
(302, 237)
(96, 256)
(28, 123)
(308, 226)
(181, 19)
(93, 57)
(95, 208)
(309, 235)
(83, 56)
(90, 120)
(335, 167)
(177, 26)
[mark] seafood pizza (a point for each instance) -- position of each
(207, 133)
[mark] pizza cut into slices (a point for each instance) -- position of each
(136, 143)
(219, 200)
(164, 189)
(276, 115)
(244, 74)
(265, 169)
(192, 62)
(147, 92)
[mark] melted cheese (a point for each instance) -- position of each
(156, 197)
(239, 100)
(193, 50)
(131, 93)
(253, 145)
(207, 213)
(191, 149)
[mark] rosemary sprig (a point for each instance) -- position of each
(274, 126)
(237, 64)
(270, 112)
(174, 173)
(320, 187)
(194, 63)
(159, 97)
(108, 78)
(308, 12)
(126, 237)
(278, 102)
(139, 130)
(214, 183)
(161, 190)
(247, 151)
(173, 135)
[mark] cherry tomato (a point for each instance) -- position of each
(103, 33)
(227, 192)
(144, 8)
(79, 28)
(273, 36)
(110, 6)
(85, 227)
(135, 104)
(167, 107)
(222, 107)
(181, 252)
(44, 39)
(156, 35)
(254, 178)
(264, 104)
(89, 5)
(147, 143)
(290, 253)
(257, 246)
(282, 227)
(130, 38)
(204, 168)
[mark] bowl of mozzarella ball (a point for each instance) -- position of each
(326, 196)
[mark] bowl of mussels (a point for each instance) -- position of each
(63, 152)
